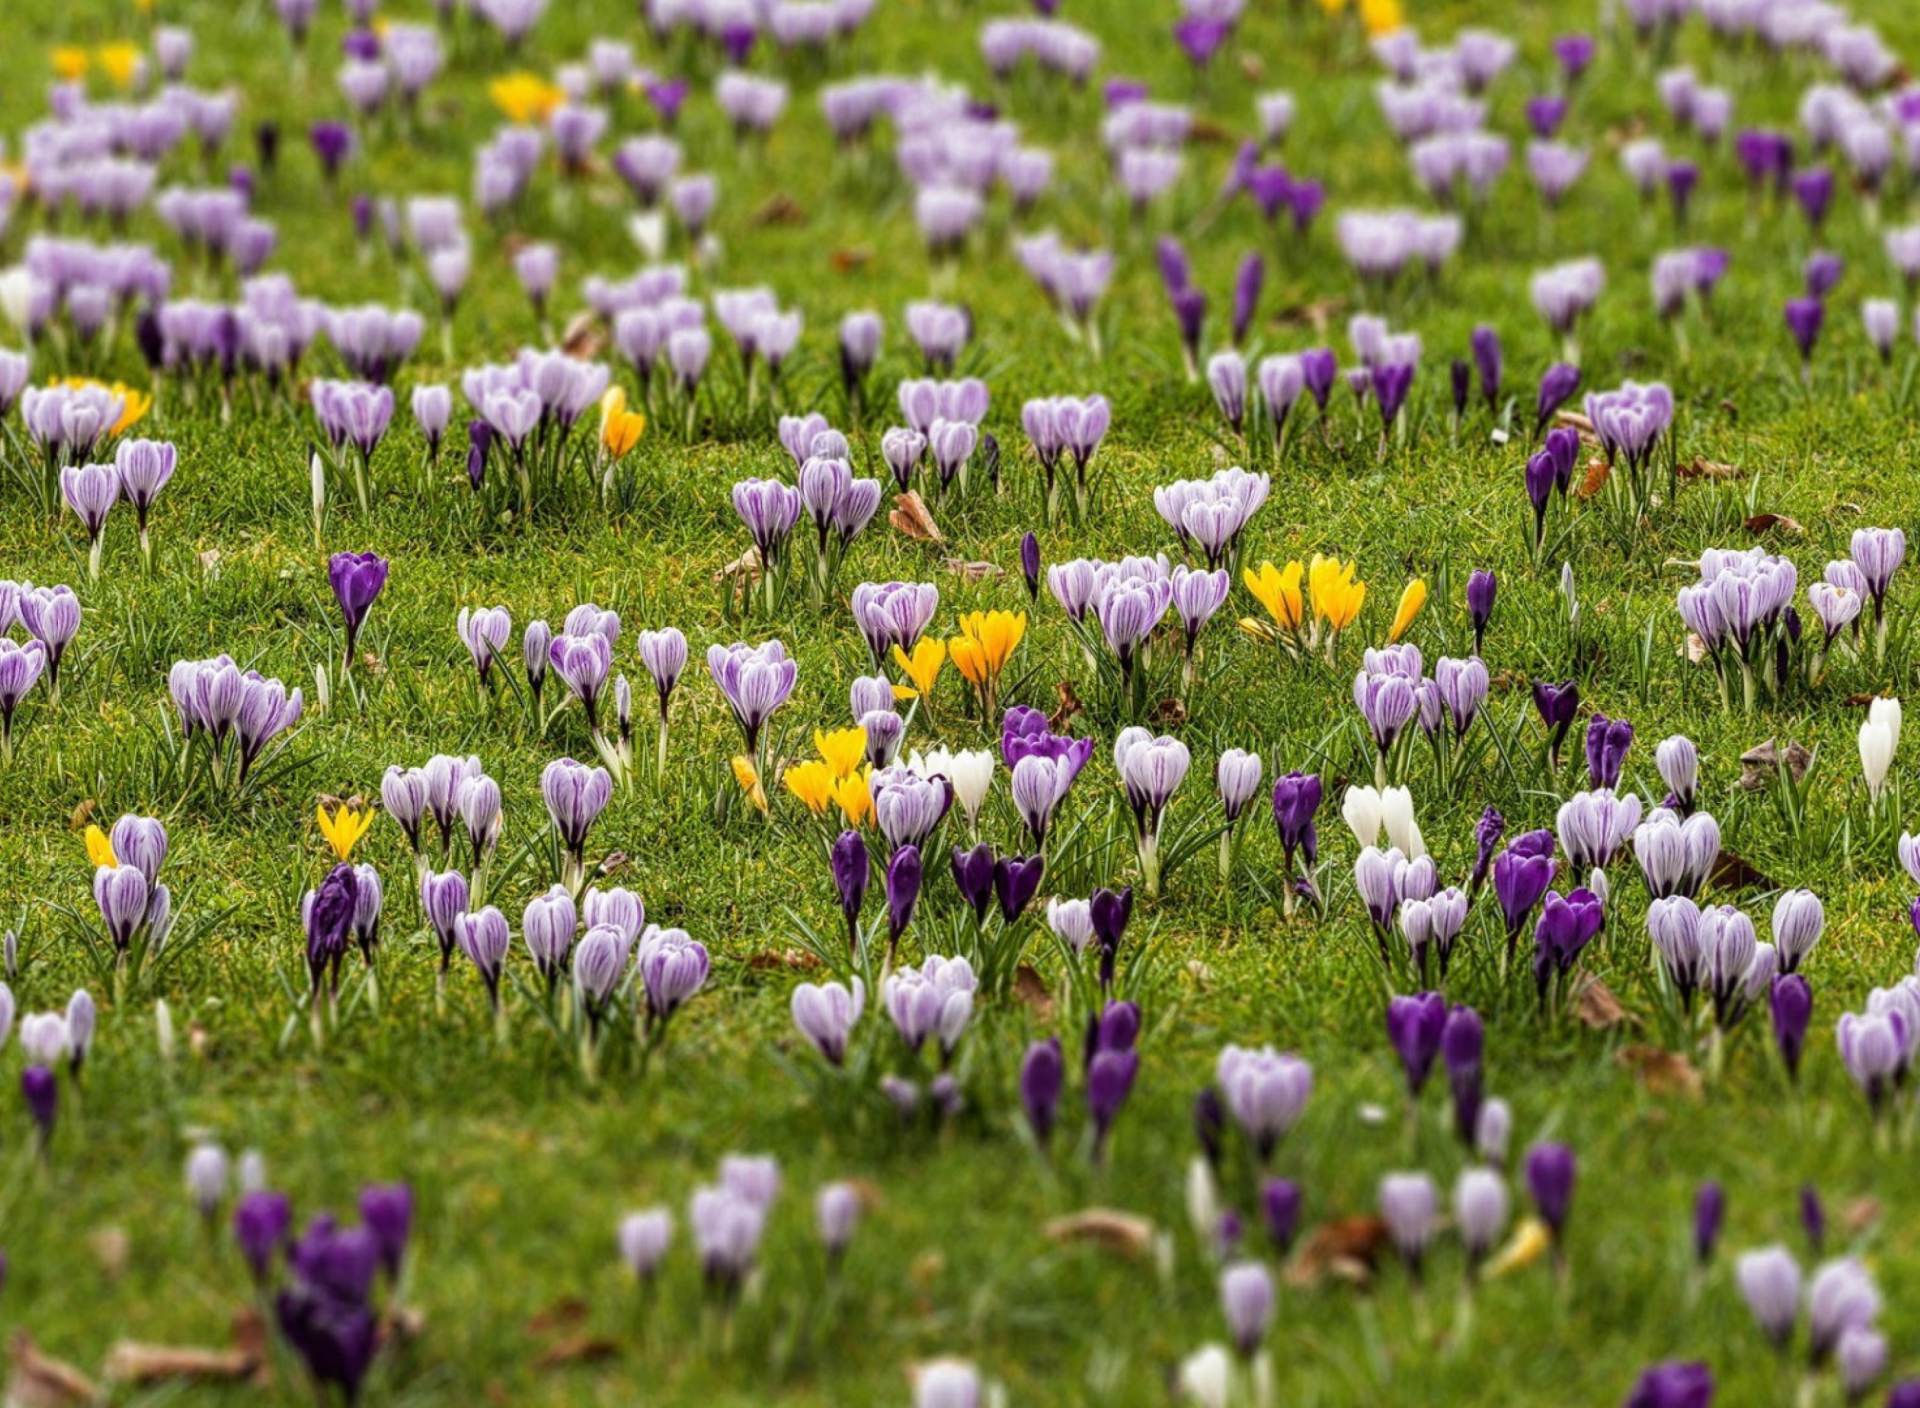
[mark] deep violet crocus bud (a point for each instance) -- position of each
(973, 877)
(1559, 383)
(386, 1210)
(1030, 565)
(1813, 1218)
(1486, 833)
(42, 1094)
(1673, 1385)
(1280, 1212)
(1709, 1212)
(1109, 1082)
(1790, 1004)
(260, 1223)
(903, 879)
(851, 871)
(1557, 705)
(1488, 362)
(1042, 1073)
(357, 579)
(1414, 1026)
(1550, 1170)
(1111, 910)
(1209, 1124)
(1804, 319)
(1482, 587)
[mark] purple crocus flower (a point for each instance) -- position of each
(1790, 1003)
(1709, 1212)
(261, 1220)
(903, 877)
(1675, 1384)
(1246, 295)
(1607, 744)
(1550, 1170)
(1110, 911)
(357, 580)
(1812, 189)
(1557, 705)
(1482, 587)
(1559, 383)
(1042, 1073)
(1110, 1078)
(1462, 1044)
(1804, 319)
(1414, 1026)
(331, 143)
(386, 1209)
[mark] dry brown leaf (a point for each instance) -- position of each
(583, 337)
(793, 958)
(1252, 69)
(746, 565)
(1205, 130)
(1317, 314)
(1595, 479)
(563, 1314)
(130, 1363)
(910, 516)
(1068, 706)
(576, 1349)
(111, 1248)
(1596, 1005)
(1765, 522)
(1861, 701)
(1859, 1214)
(845, 261)
(780, 209)
(1707, 469)
(927, 1268)
(83, 814)
(1734, 872)
(1122, 1233)
(1760, 762)
(210, 563)
(40, 1382)
(975, 571)
(1168, 712)
(1696, 649)
(1348, 1248)
(1032, 991)
(1663, 1072)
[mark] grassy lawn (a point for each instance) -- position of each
(521, 1171)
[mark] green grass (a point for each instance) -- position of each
(522, 1173)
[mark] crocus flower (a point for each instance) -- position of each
(1550, 1176)
(1265, 1092)
(1042, 1073)
(1479, 1211)
(1409, 1205)
(1414, 1026)
(1804, 319)
(357, 580)
(826, 1015)
(1790, 1003)
(1709, 1212)
(1675, 1384)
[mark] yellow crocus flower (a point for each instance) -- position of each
(1411, 600)
(525, 97)
(986, 641)
(1278, 590)
(841, 751)
(1381, 17)
(100, 848)
(69, 63)
(923, 667)
(811, 782)
(854, 798)
(1337, 597)
(748, 776)
(620, 428)
(122, 62)
(1530, 1239)
(345, 827)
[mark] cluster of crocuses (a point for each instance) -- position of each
(1114, 610)
(1742, 614)
(837, 505)
(50, 1042)
(50, 617)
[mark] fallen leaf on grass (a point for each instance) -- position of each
(845, 261)
(1765, 522)
(1707, 469)
(1762, 760)
(780, 209)
(576, 1349)
(1595, 1004)
(139, 1364)
(583, 338)
(1123, 1233)
(1859, 1214)
(83, 814)
(1348, 1249)
(746, 565)
(1734, 872)
(1168, 712)
(792, 958)
(975, 571)
(1203, 130)
(1032, 991)
(1595, 479)
(910, 516)
(40, 1382)
(1317, 314)
(1663, 1072)
(563, 1314)
(1068, 706)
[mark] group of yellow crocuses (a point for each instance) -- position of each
(980, 652)
(836, 777)
(1314, 619)
(120, 62)
(1377, 17)
(526, 98)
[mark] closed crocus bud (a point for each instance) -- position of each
(1030, 565)
(851, 870)
(207, 1179)
(1769, 1281)
(1493, 1130)
(260, 1223)
(1246, 1298)
(1238, 776)
(1409, 1205)
(836, 1212)
(947, 1383)
(1709, 1212)
(1679, 764)
(1798, 919)
(1905, 1394)
(386, 1210)
(1042, 1073)
(536, 646)
(644, 1238)
(1790, 1005)
(82, 1018)
(42, 1095)
(1479, 1211)
(1280, 1212)
(1482, 588)
(1673, 1385)
(903, 890)
(1862, 1358)
(1550, 1175)
(1813, 1217)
